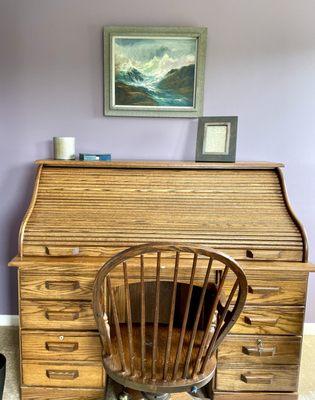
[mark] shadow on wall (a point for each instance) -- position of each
(11, 230)
(16, 191)
(20, 206)
(190, 140)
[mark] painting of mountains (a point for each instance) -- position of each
(154, 72)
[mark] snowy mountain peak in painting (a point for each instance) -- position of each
(155, 72)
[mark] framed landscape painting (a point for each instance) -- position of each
(154, 72)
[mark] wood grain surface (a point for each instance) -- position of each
(41, 314)
(260, 350)
(254, 396)
(38, 373)
(270, 320)
(90, 211)
(90, 265)
(276, 291)
(82, 213)
(61, 345)
(162, 164)
(55, 393)
(257, 379)
(56, 287)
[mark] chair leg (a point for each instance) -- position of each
(113, 389)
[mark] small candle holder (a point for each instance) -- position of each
(64, 148)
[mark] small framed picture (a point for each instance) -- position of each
(216, 139)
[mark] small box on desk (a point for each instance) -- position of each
(95, 157)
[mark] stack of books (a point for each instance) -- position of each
(95, 157)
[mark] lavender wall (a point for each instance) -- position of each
(260, 66)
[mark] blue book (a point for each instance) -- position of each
(95, 157)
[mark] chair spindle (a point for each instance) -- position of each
(210, 319)
(185, 318)
(218, 327)
(171, 320)
(117, 326)
(129, 320)
(197, 318)
(156, 315)
(142, 315)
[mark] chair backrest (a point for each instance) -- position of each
(166, 332)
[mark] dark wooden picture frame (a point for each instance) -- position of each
(220, 144)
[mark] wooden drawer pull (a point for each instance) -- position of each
(62, 251)
(263, 254)
(66, 347)
(62, 285)
(263, 289)
(261, 321)
(265, 379)
(259, 352)
(61, 316)
(63, 375)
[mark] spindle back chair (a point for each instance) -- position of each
(142, 348)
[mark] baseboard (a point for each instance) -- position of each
(9, 320)
(309, 328)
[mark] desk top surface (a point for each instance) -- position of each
(29, 261)
(160, 164)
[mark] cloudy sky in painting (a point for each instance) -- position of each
(153, 57)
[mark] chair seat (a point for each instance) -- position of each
(139, 381)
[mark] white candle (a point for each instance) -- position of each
(64, 148)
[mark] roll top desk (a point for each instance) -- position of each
(81, 213)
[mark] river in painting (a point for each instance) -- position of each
(154, 72)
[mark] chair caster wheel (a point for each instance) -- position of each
(194, 390)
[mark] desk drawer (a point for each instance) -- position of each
(63, 375)
(45, 393)
(260, 350)
(56, 287)
(74, 315)
(252, 396)
(269, 292)
(270, 321)
(71, 346)
(283, 378)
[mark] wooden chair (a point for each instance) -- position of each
(162, 310)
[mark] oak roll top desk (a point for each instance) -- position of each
(81, 213)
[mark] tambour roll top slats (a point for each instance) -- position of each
(98, 211)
